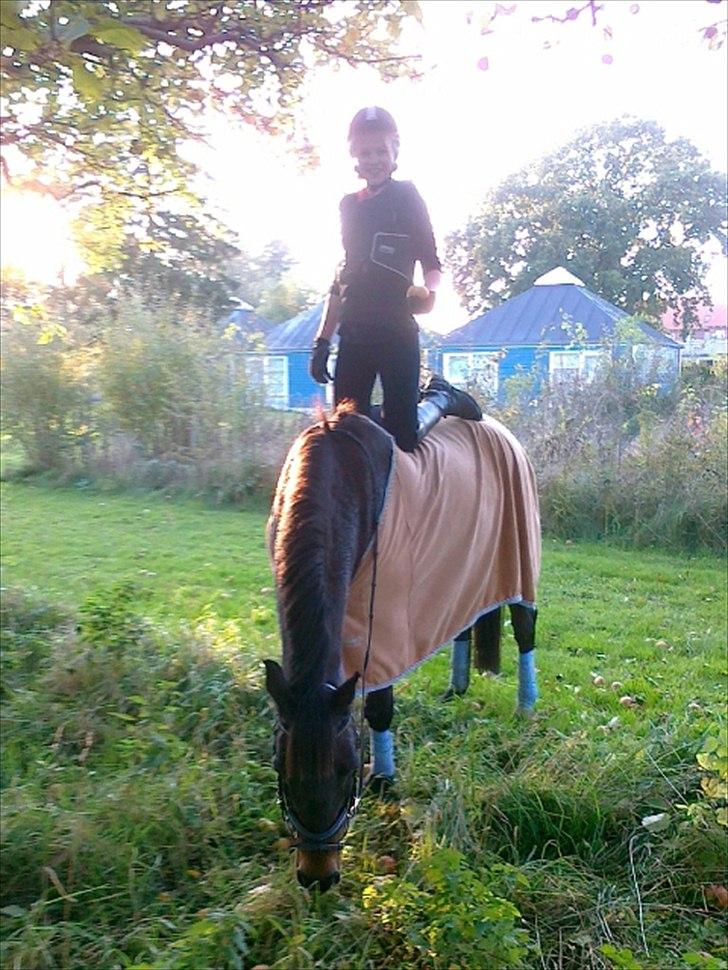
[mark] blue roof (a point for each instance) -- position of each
(245, 321)
(548, 314)
(299, 333)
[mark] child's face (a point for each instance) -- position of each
(376, 156)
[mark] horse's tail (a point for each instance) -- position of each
(487, 640)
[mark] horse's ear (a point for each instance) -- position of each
(342, 698)
(275, 682)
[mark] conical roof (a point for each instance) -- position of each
(300, 331)
(549, 313)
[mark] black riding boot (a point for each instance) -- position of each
(440, 399)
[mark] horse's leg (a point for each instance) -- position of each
(459, 665)
(487, 636)
(379, 710)
(524, 629)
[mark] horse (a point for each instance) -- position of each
(334, 526)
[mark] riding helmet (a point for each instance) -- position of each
(373, 119)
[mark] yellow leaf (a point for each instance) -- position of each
(87, 85)
(118, 35)
(713, 788)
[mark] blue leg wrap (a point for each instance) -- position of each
(460, 666)
(527, 689)
(382, 753)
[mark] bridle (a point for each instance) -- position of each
(304, 839)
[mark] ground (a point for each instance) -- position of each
(140, 823)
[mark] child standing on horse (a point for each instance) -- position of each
(385, 230)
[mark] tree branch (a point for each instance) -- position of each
(191, 45)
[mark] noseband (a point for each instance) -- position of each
(304, 839)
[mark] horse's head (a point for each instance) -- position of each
(316, 757)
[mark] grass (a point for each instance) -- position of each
(140, 827)
(185, 557)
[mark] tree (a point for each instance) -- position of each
(266, 282)
(180, 266)
(626, 210)
(257, 274)
(180, 263)
(98, 94)
(285, 299)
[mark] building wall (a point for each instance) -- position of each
(522, 361)
(512, 361)
(303, 391)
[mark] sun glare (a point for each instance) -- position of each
(36, 238)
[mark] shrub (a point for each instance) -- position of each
(444, 915)
(43, 399)
(160, 384)
(155, 404)
(618, 457)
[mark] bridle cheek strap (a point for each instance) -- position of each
(306, 840)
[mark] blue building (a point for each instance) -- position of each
(557, 326)
(282, 367)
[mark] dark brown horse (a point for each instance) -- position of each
(328, 505)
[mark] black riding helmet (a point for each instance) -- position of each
(374, 119)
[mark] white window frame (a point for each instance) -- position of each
(474, 364)
(653, 360)
(584, 365)
(272, 369)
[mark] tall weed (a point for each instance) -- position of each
(156, 403)
(42, 400)
(621, 458)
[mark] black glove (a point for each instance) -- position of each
(319, 359)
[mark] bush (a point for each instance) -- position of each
(621, 458)
(443, 914)
(155, 405)
(169, 387)
(43, 397)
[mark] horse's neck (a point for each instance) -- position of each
(344, 486)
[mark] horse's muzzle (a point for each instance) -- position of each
(322, 884)
(318, 870)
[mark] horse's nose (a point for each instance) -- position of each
(321, 882)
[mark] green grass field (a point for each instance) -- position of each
(140, 827)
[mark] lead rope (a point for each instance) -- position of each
(372, 592)
(370, 632)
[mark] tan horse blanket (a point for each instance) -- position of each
(458, 537)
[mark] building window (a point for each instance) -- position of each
(654, 362)
(270, 374)
(566, 366)
(477, 368)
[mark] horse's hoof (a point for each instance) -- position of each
(452, 692)
(525, 713)
(380, 785)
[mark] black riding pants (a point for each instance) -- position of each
(397, 361)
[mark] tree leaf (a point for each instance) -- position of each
(86, 84)
(118, 35)
(15, 33)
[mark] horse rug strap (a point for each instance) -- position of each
(459, 536)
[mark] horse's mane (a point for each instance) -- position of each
(305, 520)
